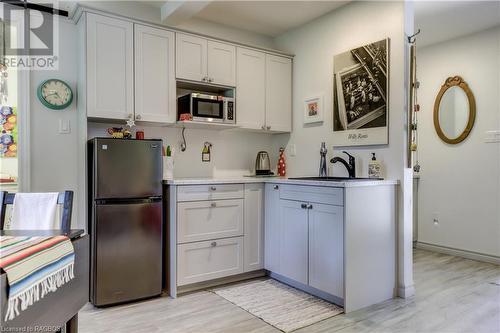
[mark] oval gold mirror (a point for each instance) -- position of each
(454, 110)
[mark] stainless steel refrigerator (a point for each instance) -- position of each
(125, 219)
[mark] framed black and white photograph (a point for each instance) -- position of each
(313, 109)
(360, 88)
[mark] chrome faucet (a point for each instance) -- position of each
(351, 166)
(322, 161)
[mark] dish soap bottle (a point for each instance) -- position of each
(281, 163)
(374, 168)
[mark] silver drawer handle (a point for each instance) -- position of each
(276, 187)
(213, 205)
(213, 244)
(213, 188)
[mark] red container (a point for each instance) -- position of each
(139, 135)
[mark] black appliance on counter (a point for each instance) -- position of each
(125, 219)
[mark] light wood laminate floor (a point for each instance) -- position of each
(452, 295)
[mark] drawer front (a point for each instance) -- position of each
(324, 195)
(209, 192)
(204, 220)
(203, 261)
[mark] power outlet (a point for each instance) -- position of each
(435, 219)
(293, 150)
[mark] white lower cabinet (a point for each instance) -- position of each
(304, 240)
(326, 249)
(272, 227)
(293, 240)
(205, 220)
(254, 227)
(202, 261)
(220, 231)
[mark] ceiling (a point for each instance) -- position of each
(269, 18)
(444, 20)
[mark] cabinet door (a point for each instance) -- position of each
(278, 93)
(293, 241)
(110, 67)
(272, 229)
(221, 63)
(254, 227)
(326, 249)
(251, 92)
(154, 75)
(191, 57)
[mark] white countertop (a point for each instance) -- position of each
(278, 180)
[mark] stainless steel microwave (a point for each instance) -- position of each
(207, 108)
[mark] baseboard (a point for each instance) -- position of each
(459, 253)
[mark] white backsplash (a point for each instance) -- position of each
(233, 151)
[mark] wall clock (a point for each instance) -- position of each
(55, 94)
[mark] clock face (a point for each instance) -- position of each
(55, 94)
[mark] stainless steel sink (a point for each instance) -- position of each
(334, 179)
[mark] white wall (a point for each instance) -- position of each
(314, 46)
(460, 184)
(233, 153)
(53, 155)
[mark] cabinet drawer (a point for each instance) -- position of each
(324, 195)
(204, 220)
(202, 261)
(209, 192)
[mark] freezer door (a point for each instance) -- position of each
(128, 252)
(127, 168)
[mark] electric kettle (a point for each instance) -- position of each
(262, 164)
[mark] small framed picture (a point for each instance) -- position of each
(313, 110)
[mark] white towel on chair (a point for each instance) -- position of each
(34, 211)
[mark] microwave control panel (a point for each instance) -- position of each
(230, 110)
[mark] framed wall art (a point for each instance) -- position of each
(313, 109)
(361, 95)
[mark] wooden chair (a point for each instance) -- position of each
(65, 199)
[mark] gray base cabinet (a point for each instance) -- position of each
(304, 238)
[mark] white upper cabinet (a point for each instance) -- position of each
(278, 93)
(191, 57)
(221, 63)
(154, 75)
(264, 91)
(199, 59)
(110, 67)
(251, 88)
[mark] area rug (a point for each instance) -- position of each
(279, 305)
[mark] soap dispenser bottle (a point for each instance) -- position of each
(374, 168)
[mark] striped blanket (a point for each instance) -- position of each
(34, 266)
